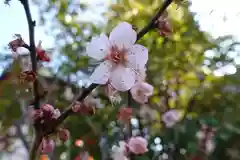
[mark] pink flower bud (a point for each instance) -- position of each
(47, 145)
(141, 91)
(63, 134)
(18, 42)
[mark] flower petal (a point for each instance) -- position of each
(122, 79)
(137, 57)
(147, 88)
(98, 47)
(123, 35)
(102, 73)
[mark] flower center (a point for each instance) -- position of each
(117, 55)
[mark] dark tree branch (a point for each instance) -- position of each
(32, 49)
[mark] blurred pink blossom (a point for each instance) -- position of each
(141, 91)
(138, 145)
(171, 117)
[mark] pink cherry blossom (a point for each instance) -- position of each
(170, 118)
(141, 91)
(122, 57)
(138, 145)
(47, 145)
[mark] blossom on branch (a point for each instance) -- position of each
(45, 114)
(122, 58)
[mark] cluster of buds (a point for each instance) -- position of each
(163, 25)
(27, 75)
(45, 114)
(206, 138)
(125, 114)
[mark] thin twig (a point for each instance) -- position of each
(32, 49)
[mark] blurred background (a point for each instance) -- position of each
(195, 70)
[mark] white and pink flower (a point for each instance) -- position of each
(122, 58)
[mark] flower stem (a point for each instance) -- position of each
(32, 49)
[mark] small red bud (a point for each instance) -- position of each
(42, 55)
